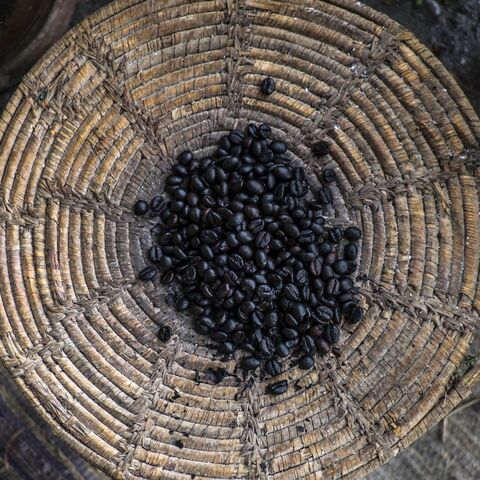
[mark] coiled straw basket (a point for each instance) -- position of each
(94, 127)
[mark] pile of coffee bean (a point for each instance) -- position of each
(254, 260)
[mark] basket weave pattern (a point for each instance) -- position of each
(96, 125)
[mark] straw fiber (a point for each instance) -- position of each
(96, 125)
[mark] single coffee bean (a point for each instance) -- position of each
(164, 333)
(355, 315)
(306, 362)
(329, 175)
(323, 346)
(320, 149)
(350, 251)
(268, 86)
(278, 388)
(140, 208)
(332, 334)
(289, 333)
(335, 235)
(155, 254)
(278, 147)
(341, 267)
(353, 234)
(264, 131)
(250, 363)
(345, 284)
(273, 368)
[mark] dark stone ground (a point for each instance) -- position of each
(451, 29)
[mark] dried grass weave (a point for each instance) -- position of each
(96, 124)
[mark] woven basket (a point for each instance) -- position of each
(96, 125)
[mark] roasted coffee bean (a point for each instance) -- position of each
(140, 208)
(236, 262)
(307, 344)
(182, 304)
(332, 287)
(273, 368)
(329, 175)
(335, 235)
(236, 137)
(200, 328)
(325, 248)
(291, 292)
(332, 334)
(324, 313)
(350, 251)
(268, 86)
(219, 336)
(278, 388)
(264, 131)
(227, 348)
(353, 234)
(158, 204)
(155, 254)
(250, 363)
(164, 333)
(345, 284)
(262, 239)
(323, 346)
(320, 149)
(148, 274)
(355, 315)
(341, 267)
(278, 148)
(306, 362)
(245, 251)
(289, 333)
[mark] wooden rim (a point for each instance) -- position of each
(94, 127)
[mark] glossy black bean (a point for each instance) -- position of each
(355, 315)
(350, 251)
(289, 333)
(250, 363)
(341, 267)
(335, 235)
(164, 333)
(353, 234)
(321, 148)
(148, 274)
(331, 334)
(278, 388)
(140, 208)
(306, 362)
(245, 251)
(264, 130)
(267, 86)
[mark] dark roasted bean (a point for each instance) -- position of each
(306, 362)
(278, 388)
(155, 254)
(332, 334)
(355, 315)
(148, 274)
(140, 207)
(341, 267)
(350, 251)
(353, 234)
(335, 235)
(320, 149)
(250, 363)
(268, 85)
(164, 333)
(329, 175)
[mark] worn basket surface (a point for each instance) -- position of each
(96, 125)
